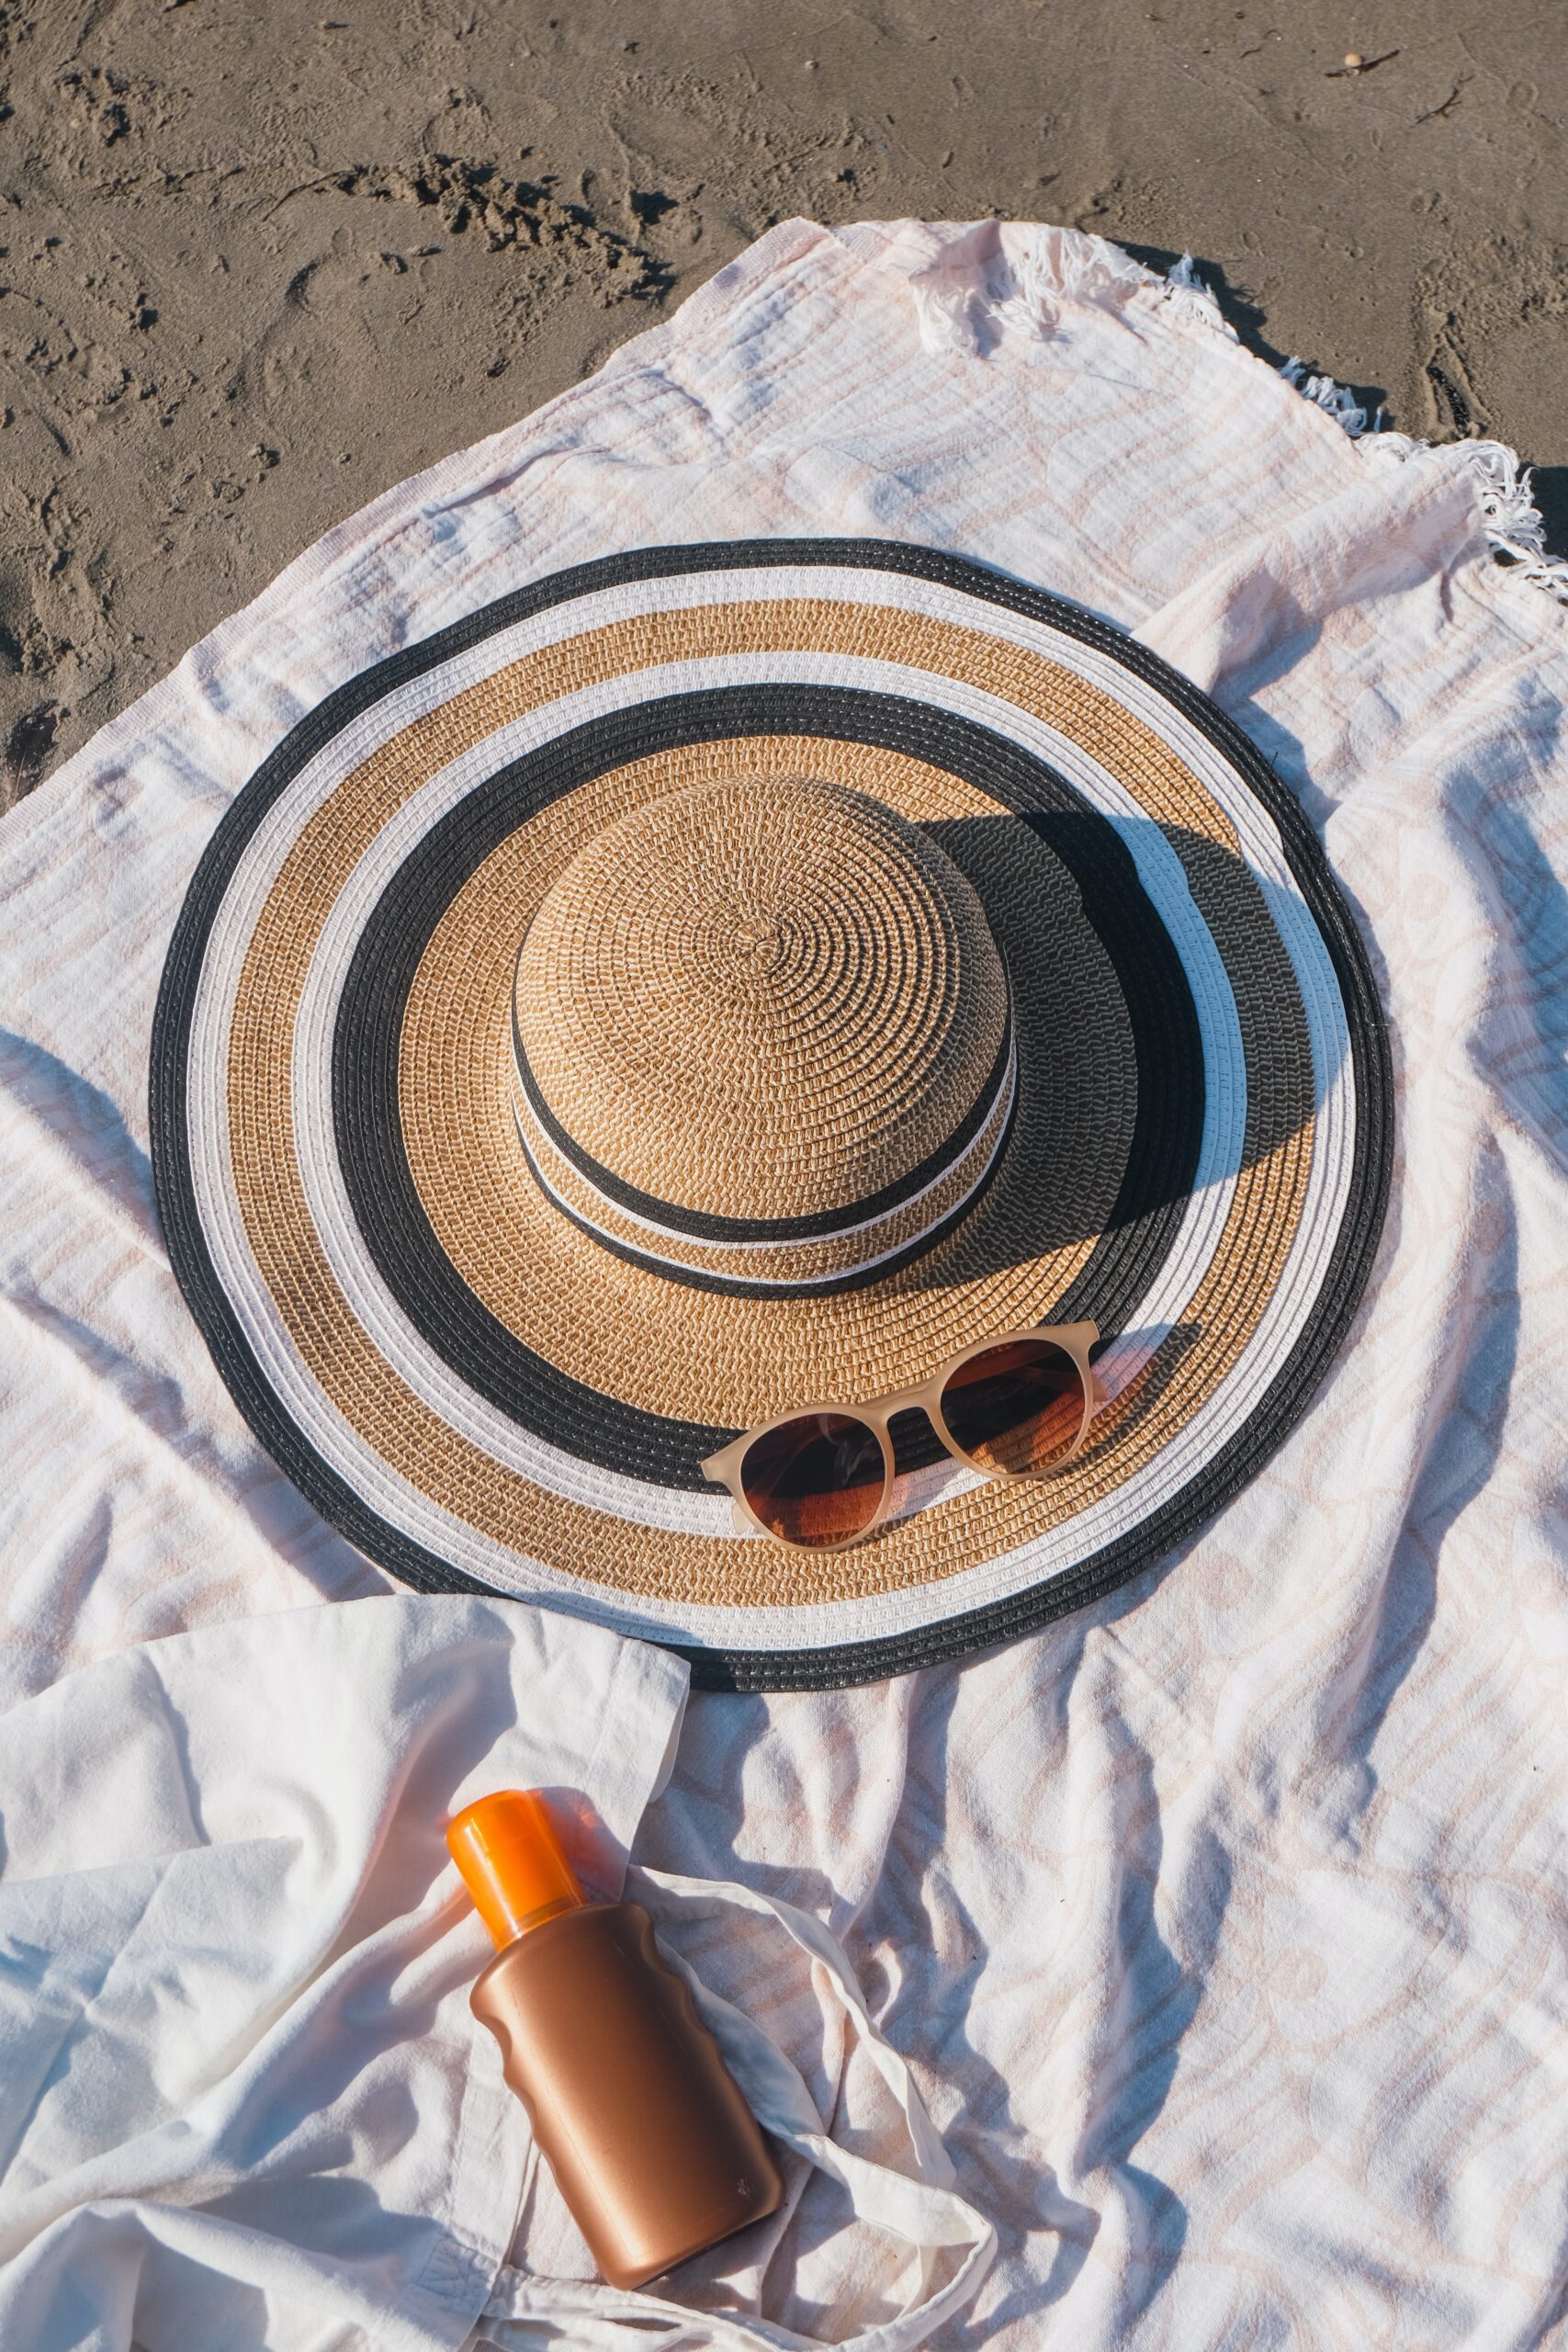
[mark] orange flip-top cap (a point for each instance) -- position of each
(507, 1849)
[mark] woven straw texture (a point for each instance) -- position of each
(761, 1034)
(724, 976)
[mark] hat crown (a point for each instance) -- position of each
(760, 999)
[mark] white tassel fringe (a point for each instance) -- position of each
(1188, 297)
(1515, 529)
(1336, 401)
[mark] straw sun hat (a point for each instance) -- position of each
(720, 978)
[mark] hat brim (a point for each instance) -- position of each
(480, 1394)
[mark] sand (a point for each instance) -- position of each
(258, 261)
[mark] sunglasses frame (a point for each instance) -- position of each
(1075, 1339)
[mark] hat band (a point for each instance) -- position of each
(774, 1256)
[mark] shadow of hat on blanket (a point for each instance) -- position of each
(1065, 894)
(1112, 1117)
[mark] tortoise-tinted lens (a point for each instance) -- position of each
(817, 1480)
(1016, 1408)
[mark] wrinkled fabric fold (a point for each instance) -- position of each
(245, 2102)
(920, 2207)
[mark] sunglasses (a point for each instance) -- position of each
(1014, 1407)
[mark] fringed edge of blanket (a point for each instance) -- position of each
(971, 283)
(1516, 530)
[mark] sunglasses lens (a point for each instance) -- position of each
(817, 1480)
(1017, 1407)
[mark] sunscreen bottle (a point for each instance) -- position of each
(654, 2148)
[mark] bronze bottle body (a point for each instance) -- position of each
(655, 2151)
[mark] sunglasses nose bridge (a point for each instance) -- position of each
(918, 1410)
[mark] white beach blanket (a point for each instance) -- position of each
(1225, 1926)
